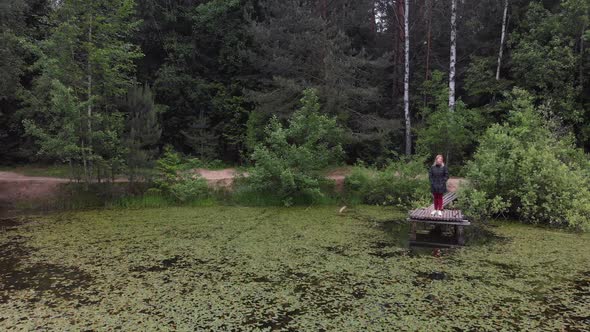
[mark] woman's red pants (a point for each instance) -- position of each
(438, 201)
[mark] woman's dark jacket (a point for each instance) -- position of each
(438, 176)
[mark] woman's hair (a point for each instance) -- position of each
(435, 158)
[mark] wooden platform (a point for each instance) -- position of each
(447, 215)
(453, 218)
(427, 240)
(458, 227)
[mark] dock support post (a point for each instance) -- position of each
(413, 227)
(460, 235)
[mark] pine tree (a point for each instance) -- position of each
(142, 132)
(88, 52)
(59, 136)
(23, 23)
(196, 59)
(296, 47)
(200, 137)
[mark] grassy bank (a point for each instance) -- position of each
(222, 267)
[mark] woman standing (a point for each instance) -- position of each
(438, 175)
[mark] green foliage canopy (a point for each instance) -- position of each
(290, 160)
(528, 172)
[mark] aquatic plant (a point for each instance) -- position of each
(223, 268)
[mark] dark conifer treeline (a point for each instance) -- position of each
(218, 69)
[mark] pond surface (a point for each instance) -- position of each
(295, 269)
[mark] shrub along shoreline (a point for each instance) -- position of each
(520, 170)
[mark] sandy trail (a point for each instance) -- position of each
(16, 177)
(15, 187)
(219, 178)
(454, 183)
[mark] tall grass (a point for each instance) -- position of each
(401, 183)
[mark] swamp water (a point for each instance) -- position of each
(296, 269)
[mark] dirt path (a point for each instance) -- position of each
(16, 187)
(219, 178)
(454, 183)
(225, 177)
(16, 177)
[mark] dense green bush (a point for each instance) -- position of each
(189, 187)
(289, 161)
(478, 205)
(401, 183)
(175, 179)
(521, 168)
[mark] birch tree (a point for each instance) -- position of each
(428, 39)
(453, 57)
(502, 38)
(407, 77)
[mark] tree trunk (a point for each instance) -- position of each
(502, 38)
(373, 20)
(85, 165)
(71, 168)
(398, 38)
(453, 57)
(324, 9)
(428, 39)
(407, 77)
(89, 109)
(582, 58)
(397, 33)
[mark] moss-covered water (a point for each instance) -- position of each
(234, 268)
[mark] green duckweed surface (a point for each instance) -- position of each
(290, 269)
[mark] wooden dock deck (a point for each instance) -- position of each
(447, 215)
(452, 218)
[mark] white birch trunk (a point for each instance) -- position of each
(453, 57)
(502, 38)
(407, 77)
(428, 39)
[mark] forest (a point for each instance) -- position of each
(206, 76)
(270, 165)
(288, 89)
